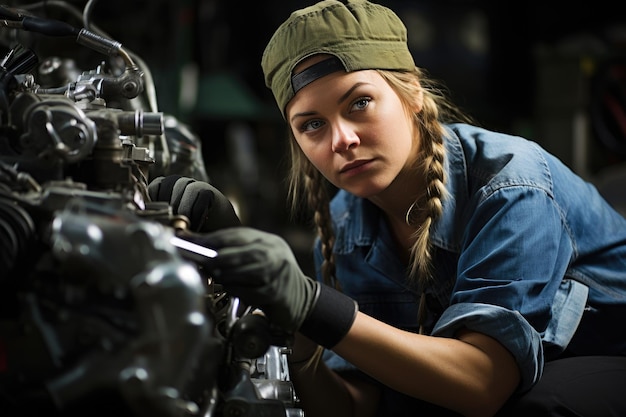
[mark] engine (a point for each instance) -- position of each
(104, 311)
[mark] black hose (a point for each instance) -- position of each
(16, 232)
(49, 27)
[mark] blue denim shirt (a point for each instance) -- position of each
(526, 252)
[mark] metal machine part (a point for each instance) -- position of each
(104, 310)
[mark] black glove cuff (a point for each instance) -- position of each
(331, 317)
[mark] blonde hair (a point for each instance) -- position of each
(307, 185)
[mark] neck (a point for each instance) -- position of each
(400, 196)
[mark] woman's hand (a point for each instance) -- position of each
(261, 269)
(204, 205)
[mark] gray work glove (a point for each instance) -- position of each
(261, 269)
(204, 205)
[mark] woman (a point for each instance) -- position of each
(488, 277)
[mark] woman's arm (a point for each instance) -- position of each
(473, 375)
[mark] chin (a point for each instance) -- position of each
(365, 191)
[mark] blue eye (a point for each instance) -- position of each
(312, 125)
(361, 103)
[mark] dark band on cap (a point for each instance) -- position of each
(315, 71)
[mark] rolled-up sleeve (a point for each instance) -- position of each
(508, 327)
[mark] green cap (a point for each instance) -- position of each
(360, 34)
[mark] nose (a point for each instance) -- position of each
(344, 137)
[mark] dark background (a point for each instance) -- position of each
(554, 72)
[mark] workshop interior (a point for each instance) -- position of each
(99, 97)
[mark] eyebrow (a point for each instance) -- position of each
(341, 99)
(347, 93)
(303, 114)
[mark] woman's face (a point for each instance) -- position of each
(354, 130)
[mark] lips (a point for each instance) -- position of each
(353, 165)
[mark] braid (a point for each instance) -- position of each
(432, 159)
(425, 210)
(436, 109)
(317, 197)
(305, 181)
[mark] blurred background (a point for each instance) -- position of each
(550, 71)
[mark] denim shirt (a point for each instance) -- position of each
(525, 251)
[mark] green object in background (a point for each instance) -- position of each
(223, 96)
